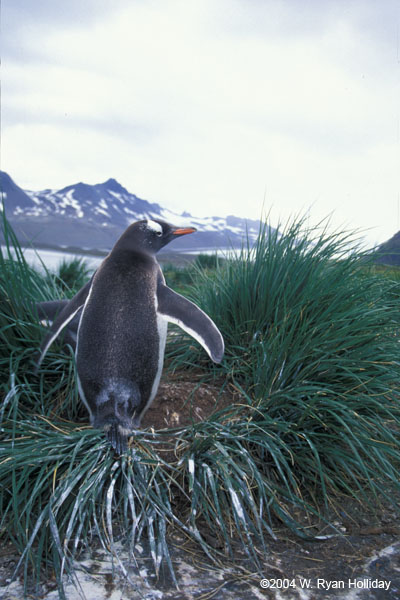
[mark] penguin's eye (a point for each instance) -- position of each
(158, 233)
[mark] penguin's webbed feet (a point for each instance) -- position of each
(117, 439)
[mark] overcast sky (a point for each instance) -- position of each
(210, 106)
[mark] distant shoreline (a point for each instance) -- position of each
(188, 254)
(178, 259)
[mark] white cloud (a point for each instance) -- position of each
(208, 106)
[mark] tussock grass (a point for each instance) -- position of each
(21, 286)
(71, 275)
(65, 490)
(208, 261)
(178, 278)
(312, 343)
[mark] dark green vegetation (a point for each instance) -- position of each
(312, 342)
(181, 279)
(71, 275)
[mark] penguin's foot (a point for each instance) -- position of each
(117, 438)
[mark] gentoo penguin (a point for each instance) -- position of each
(125, 309)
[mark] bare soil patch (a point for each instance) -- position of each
(186, 399)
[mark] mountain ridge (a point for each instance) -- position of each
(388, 253)
(94, 216)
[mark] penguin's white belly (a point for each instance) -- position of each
(162, 327)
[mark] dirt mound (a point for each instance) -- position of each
(182, 401)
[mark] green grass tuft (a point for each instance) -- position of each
(312, 340)
(71, 275)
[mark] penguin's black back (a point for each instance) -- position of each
(118, 341)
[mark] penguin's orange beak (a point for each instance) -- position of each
(184, 231)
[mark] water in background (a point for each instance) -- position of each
(52, 258)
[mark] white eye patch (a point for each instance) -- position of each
(154, 226)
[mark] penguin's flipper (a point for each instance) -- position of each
(48, 311)
(177, 309)
(63, 318)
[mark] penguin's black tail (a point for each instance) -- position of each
(117, 439)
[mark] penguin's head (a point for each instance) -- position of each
(150, 235)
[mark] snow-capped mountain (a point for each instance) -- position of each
(94, 216)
